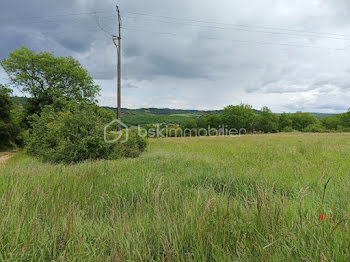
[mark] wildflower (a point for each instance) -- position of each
(322, 217)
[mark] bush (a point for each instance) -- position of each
(314, 128)
(71, 132)
(301, 121)
(344, 129)
(10, 119)
(287, 129)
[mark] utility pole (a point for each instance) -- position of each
(119, 48)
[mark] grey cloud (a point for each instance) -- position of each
(236, 71)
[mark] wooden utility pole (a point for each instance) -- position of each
(119, 48)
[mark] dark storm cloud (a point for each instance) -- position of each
(162, 65)
(205, 65)
(10, 40)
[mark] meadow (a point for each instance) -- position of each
(278, 197)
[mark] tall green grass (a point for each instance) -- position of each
(253, 198)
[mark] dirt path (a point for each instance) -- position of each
(5, 156)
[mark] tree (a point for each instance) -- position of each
(285, 122)
(9, 124)
(46, 77)
(331, 122)
(345, 119)
(238, 117)
(267, 121)
(213, 120)
(301, 120)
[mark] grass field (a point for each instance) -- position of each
(253, 198)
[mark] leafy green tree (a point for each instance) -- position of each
(301, 120)
(238, 117)
(285, 122)
(46, 77)
(331, 122)
(267, 121)
(213, 120)
(345, 119)
(9, 119)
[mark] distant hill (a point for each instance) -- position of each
(144, 116)
(162, 111)
(322, 115)
(19, 100)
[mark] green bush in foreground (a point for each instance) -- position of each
(73, 132)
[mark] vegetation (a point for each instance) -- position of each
(146, 119)
(10, 120)
(149, 116)
(264, 121)
(247, 198)
(189, 199)
(64, 123)
(46, 77)
(73, 132)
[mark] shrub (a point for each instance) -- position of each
(301, 121)
(344, 129)
(314, 128)
(287, 129)
(10, 119)
(70, 132)
(133, 147)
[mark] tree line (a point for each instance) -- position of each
(265, 121)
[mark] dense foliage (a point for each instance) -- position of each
(10, 119)
(72, 132)
(244, 117)
(46, 77)
(65, 124)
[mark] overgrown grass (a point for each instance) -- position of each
(253, 198)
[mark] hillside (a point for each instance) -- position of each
(145, 116)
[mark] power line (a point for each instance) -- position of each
(101, 28)
(235, 25)
(244, 30)
(191, 24)
(52, 16)
(50, 21)
(168, 17)
(238, 40)
(92, 29)
(203, 37)
(8, 74)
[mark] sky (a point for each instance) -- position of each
(289, 55)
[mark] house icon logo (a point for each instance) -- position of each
(111, 136)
